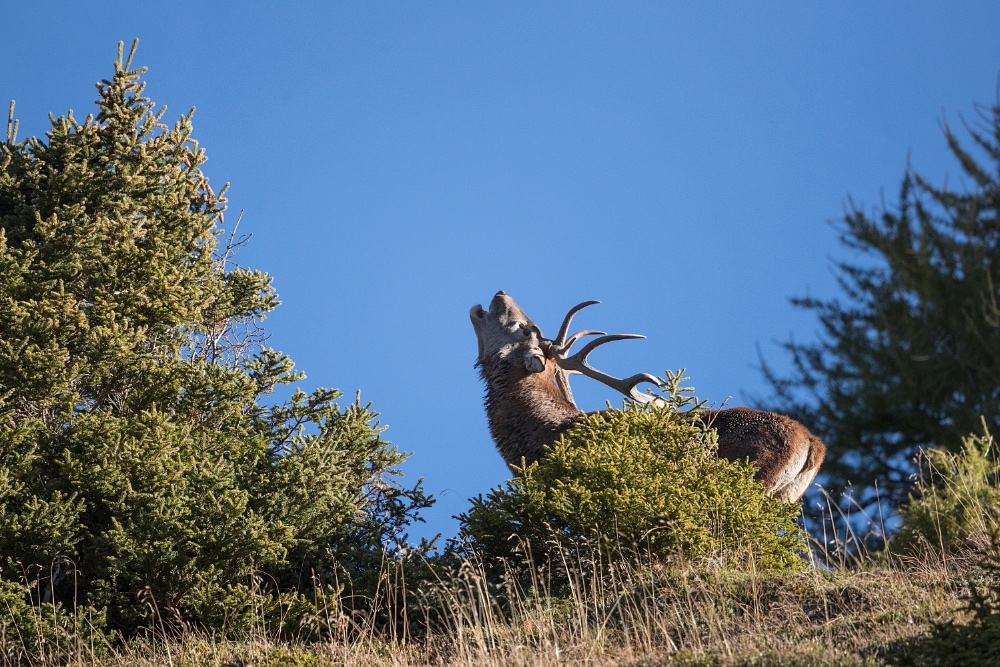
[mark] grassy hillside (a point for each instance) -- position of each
(656, 615)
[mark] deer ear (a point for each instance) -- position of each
(534, 361)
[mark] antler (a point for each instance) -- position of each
(560, 346)
(560, 341)
(578, 362)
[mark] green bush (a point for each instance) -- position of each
(143, 475)
(955, 501)
(641, 481)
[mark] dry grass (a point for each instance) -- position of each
(640, 616)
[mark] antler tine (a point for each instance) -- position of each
(578, 364)
(594, 344)
(562, 375)
(578, 335)
(560, 340)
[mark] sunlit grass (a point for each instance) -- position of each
(643, 613)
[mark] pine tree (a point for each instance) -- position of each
(141, 470)
(909, 357)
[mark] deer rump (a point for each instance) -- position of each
(529, 403)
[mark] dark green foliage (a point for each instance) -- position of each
(141, 472)
(909, 356)
(955, 503)
(645, 481)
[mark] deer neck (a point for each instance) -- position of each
(526, 411)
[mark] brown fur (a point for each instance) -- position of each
(526, 411)
(786, 454)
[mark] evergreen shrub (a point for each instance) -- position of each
(643, 481)
(954, 506)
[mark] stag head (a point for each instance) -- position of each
(506, 332)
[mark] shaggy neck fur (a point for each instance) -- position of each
(526, 411)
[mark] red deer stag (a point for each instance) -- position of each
(529, 402)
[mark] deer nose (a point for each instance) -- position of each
(501, 293)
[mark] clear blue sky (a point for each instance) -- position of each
(398, 162)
